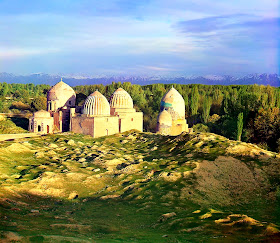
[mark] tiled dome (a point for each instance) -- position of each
(96, 105)
(174, 103)
(121, 99)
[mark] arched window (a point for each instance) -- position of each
(39, 128)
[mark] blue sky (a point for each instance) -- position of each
(140, 37)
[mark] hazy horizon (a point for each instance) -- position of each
(148, 37)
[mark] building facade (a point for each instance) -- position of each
(171, 119)
(41, 122)
(98, 116)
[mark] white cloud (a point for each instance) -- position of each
(23, 52)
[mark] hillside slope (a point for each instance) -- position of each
(199, 183)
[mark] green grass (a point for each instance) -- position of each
(13, 125)
(123, 189)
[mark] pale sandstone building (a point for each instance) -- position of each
(41, 122)
(97, 117)
(171, 119)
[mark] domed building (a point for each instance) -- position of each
(59, 96)
(120, 99)
(121, 105)
(41, 122)
(164, 122)
(97, 117)
(171, 120)
(100, 117)
(96, 105)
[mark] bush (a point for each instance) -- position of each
(263, 145)
(39, 103)
(201, 128)
(19, 106)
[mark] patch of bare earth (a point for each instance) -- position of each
(225, 181)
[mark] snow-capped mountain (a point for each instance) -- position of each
(74, 80)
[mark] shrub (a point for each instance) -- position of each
(19, 106)
(201, 128)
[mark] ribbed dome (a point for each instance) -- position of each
(165, 118)
(96, 105)
(62, 94)
(121, 99)
(174, 103)
(42, 114)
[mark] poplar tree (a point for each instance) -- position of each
(194, 103)
(239, 126)
(206, 106)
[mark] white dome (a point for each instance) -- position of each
(165, 118)
(121, 99)
(174, 103)
(62, 94)
(96, 105)
(42, 114)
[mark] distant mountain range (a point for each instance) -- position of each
(41, 78)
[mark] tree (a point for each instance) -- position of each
(194, 104)
(239, 126)
(39, 103)
(5, 89)
(267, 126)
(206, 106)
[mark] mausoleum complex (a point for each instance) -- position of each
(100, 117)
(97, 117)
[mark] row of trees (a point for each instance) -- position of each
(243, 112)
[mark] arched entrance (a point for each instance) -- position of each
(39, 128)
(48, 129)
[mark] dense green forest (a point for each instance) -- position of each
(242, 112)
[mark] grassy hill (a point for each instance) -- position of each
(13, 125)
(139, 187)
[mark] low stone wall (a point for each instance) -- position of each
(4, 137)
(15, 115)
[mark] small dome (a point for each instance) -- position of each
(42, 114)
(121, 99)
(165, 118)
(62, 93)
(174, 103)
(96, 105)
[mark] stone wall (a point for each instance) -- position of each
(97, 126)
(104, 126)
(130, 121)
(83, 125)
(178, 127)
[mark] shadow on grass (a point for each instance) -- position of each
(20, 122)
